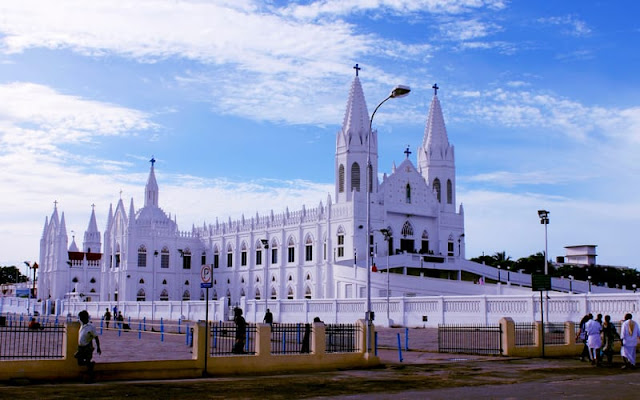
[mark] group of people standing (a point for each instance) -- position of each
(599, 336)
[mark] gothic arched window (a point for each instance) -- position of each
(436, 187)
(142, 256)
(341, 178)
(408, 193)
(407, 229)
(291, 250)
(141, 296)
(308, 248)
(355, 177)
(449, 191)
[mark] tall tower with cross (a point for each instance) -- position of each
(436, 160)
(353, 141)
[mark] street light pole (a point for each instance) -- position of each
(265, 244)
(544, 220)
(397, 92)
(387, 237)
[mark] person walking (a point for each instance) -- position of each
(582, 336)
(594, 340)
(241, 331)
(629, 334)
(107, 317)
(609, 335)
(268, 317)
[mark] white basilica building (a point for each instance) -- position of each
(417, 232)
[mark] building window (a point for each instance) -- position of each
(340, 242)
(290, 294)
(216, 257)
(259, 257)
(141, 296)
(164, 258)
(308, 249)
(341, 178)
(291, 251)
(436, 187)
(186, 295)
(142, 256)
(407, 229)
(355, 177)
(164, 295)
(449, 191)
(274, 252)
(408, 193)
(324, 249)
(450, 248)
(307, 293)
(203, 258)
(229, 257)
(243, 254)
(186, 259)
(117, 260)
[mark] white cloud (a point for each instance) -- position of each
(556, 114)
(37, 118)
(468, 30)
(572, 25)
(341, 7)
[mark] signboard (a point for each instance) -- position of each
(205, 276)
(540, 282)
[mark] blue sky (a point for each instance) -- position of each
(240, 102)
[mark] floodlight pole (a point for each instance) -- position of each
(397, 92)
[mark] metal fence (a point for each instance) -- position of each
(42, 341)
(223, 338)
(291, 338)
(470, 339)
(343, 338)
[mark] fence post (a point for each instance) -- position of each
(399, 348)
(508, 328)
(406, 339)
(318, 339)
(263, 342)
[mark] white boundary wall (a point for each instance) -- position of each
(426, 311)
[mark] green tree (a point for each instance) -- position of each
(11, 275)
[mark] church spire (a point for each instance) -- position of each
(352, 146)
(151, 190)
(436, 160)
(91, 243)
(355, 126)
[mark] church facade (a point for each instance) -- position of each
(313, 253)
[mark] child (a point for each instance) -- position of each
(85, 341)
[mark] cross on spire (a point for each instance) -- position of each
(407, 152)
(435, 89)
(152, 161)
(55, 204)
(357, 68)
(120, 194)
(93, 206)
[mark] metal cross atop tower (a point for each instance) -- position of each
(357, 68)
(435, 88)
(152, 161)
(407, 152)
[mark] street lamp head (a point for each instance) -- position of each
(400, 91)
(265, 243)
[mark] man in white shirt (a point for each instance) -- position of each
(629, 334)
(85, 341)
(594, 342)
